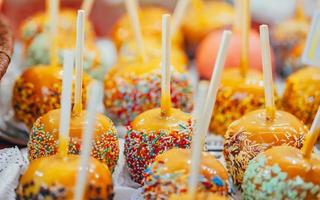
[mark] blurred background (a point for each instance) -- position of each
(105, 12)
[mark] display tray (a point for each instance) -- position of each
(124, 187)
(17, 133)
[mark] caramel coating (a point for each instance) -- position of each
(282, 173)
(288, 38)
(35, 37)
(302, 94)
(45, 134)
(134, 87)
(38, 91)
(54, 177)
(152, 120)
(169, 174)
(215, 15)
(236, 97)
(138, 67)
(151, 134)
(129, 53)
(39, 23)
(38, 52)
(150, 23)
(253, 134)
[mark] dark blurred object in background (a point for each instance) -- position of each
(6, 45)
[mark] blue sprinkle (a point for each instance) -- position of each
(148, 171)
(217, 180)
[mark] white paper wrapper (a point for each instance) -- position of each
(13, 162)
(12, 165)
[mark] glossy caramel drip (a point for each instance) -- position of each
(152, 120)
(42, 77)
(179, 160)
(292, 161)
(258, 129)
(78, 122)
(252, 83)
(61, 171)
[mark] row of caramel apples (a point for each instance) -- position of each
(265, 145)
(132, 85)
(158, 138)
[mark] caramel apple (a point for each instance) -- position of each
(44, 137)
(35, 34)
(208, 49)
(206, 16)
(38, 91)
(37, 53)
(252, 134)
(262, 129)
(158, 129)
(54, 177)
(302, 94)
(132, 88)
(150, 23)
(288, 39)
(39, 23)
(236, 97)
(241, 88)
(285, 172)
(169, 175)
(63, 175)
(151, 134)
(282, 173)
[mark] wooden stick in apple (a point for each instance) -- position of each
(267, 72)
(53, 13)
(165, 62)
(68, 62)
(245, 28)
(203, 123)
(93, 100)
(79, 63)
(132, 9)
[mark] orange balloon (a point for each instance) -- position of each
(208, 49)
